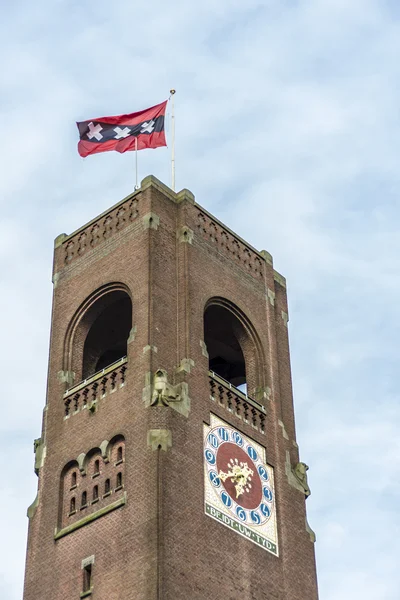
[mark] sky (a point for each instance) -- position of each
(287, 130)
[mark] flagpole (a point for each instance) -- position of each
(172, 92)
(136, 165)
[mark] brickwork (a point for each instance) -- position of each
(173, 259)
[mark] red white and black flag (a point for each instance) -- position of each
(121, 132)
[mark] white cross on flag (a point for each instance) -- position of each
(121, 133)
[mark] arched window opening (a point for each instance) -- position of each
(96, 470)
(120, 456)
(119, 480)
(106, 340)
(73, 480)
(222, 332)
(84, 500)
(95, 493)
(107, 486)
(72, 506)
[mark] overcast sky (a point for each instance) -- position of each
(287, 125)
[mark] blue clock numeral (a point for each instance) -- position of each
(226, 499)
(241, 513)
(267, 494)
(265, 510)
(215, 480)
(223, 434)
(210, 457)
(213, 440)
(262, 471)
(252, 453)
(237, 438)
(255, 517)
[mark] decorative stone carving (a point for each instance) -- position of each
(40, 454)
(300, 472)
(297, 475)
(159, 439)
(163, 392)
(159, 392)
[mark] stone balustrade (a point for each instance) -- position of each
(88, 392)
(236, 402)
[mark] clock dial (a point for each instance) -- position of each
(239, 484)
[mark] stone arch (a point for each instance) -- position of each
(99, 331)
(233, 345)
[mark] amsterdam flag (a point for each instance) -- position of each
(121, 132)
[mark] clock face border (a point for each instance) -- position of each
(250, 510)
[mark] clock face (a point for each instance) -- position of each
(239, 487)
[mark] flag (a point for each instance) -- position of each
(121, 132)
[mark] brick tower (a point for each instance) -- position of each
(168, 467)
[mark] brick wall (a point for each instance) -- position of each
(173, 259)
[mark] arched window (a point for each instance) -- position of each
(120, 454)
(107, 486)
(226, 357)
(96, 469)
(232, 345)
(73, 480)
(72, 505)
(95, 493)
(84, 500)
(119, 480)
(106, 339)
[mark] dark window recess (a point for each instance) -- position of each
(119, 454)
(96, 467)
(222, 331)
(84, 499)
(73, 479)
(87, 578)
(96, 492)
(119, 480)
(107, 486)
(72, 505)
(106, 341)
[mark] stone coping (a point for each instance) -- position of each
(177, 197)
(96, 515)
(85, 382)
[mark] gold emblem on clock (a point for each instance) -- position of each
(240, 474)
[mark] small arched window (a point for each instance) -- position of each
(107, 486)
(96, 467)
(72, 506)
(73, 480)
(120, 456)
(95, 493)
(119, 480)
(84, 500)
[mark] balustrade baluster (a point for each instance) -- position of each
(113, 378)
(67, 406)
(85, 394)
(76, 401)
(262, 422)
(238, 402)
(213, 385)
(245, 412)
(122, 376)
(254, 418)
(221, 392)
(229, 400)
(95, 385)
